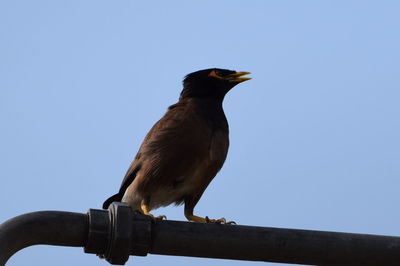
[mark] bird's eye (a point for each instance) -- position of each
(216, 74)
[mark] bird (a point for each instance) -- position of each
(184, 150)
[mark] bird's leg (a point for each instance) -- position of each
(144, 206)
(189, 215)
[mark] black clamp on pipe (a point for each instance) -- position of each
(116, 233)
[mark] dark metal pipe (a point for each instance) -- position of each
(118, 232)
(45, 227)
(273, 244)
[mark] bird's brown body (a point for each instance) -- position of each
(182, 152)
(180, 155)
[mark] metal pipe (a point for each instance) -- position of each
(273, 244)
(118, 232)
(45, 227)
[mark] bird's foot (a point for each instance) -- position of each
(195, 218)
(160, 217)
(145, 210)
(218, 221)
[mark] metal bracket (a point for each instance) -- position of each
(118, 232)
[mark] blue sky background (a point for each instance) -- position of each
(314, 135)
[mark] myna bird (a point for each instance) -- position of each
(184, 150)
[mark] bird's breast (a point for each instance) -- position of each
(218, 148)
(181, 154)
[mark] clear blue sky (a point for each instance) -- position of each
(314, 135)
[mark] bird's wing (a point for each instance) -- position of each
(173, 147)
(164, 151)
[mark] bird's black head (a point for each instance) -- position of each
(211, 83)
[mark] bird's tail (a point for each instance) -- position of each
(116, 197)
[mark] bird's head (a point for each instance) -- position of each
(211, 83)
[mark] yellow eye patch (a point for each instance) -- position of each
(215, 75)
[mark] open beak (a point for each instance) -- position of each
(237, 77)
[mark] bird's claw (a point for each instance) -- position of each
(160, 217)
(218, 221)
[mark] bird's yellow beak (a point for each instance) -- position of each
(237, 77)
